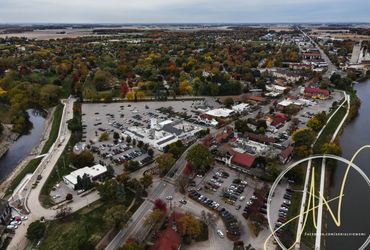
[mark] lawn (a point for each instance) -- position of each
(84, 228)
(54, 129)
(29, 169)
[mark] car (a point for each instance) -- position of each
(254, 197)
(169, 197)
(183, 202)
(284, 209)
(287, 202)
(238, 207)
(220, 233)
(199, 176)
(241, 198)
(12, 227)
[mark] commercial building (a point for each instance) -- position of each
(94, 173)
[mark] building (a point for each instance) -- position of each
(94, 173)
(5, 212)
(312, 55)
(286, 155)
(316, 93)
(240, 108)
(220, 113)
(162, 134)
(244, 160)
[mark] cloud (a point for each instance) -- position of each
(128, 11)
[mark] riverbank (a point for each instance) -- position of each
(7, 139)
(35, 151)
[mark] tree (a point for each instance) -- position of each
(146, 181)
(83, 159)
(117, 215)
(115, 136)
(160, 204)
(124, 89)
(36, 230)
(132, 245)
(165, 162)
(189, 225)
(185, 87)
(132, 165)
(303, 137)
(128, 139)
(241, 126)
(154, 217)
(200, 157)
(150, 152)
(314, 124)
(331, 148)
(140, 95)
(108, 190)
(104, 136)
(69, 197)
(229, 101)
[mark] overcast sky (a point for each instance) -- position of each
(189, 11)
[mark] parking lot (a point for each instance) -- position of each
(232, 195)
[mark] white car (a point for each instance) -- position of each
(24, 217)
(169, 197)
(241, 198)
(220, 233)
(284, 209)
(12, 227)
(287, 202)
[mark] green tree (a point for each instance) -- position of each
(154, 217)
(331, 148)
(104, 136)
(132, 245)
(36, 230)
(229, 101)
(146, 181)
(117, 215)
(200, 156)
(83, 159)
(303, 137)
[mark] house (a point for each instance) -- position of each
(279, 119)
(5, 212)
(312, 55)
(224, 135)
(221, 112)
(316, 93)
(244, 160)
(286, 154)
(94, 173)
(259, 138)
(256, 99)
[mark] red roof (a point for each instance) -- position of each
(287, 152)
(316, 91)
(243, 159)
(312, 54)
(169, 239)
(282, 116)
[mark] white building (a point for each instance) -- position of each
(242, 107)
(221, 112)
(93, 173)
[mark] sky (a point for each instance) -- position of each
(183, 11)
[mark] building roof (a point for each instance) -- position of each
(221, 112)
(259, 137)
(243, 159)
(312, 54)
(287, 152)
(316, 91)
(92, 172)
(256, 98)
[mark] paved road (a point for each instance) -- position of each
(331, 67)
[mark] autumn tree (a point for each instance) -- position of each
(83, 159)
(200, 157)
(190, 225)
(154, 217)
(146, 181)
(165, 162)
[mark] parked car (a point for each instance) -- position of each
(220, 233)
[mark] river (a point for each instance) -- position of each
(23, 146)
(356, 200)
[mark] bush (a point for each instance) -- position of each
(36, 231)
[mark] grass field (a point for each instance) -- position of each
(54, 129)
(29, 169)
(84, 228)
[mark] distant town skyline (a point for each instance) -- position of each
(179, 11)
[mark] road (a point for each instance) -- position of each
(163, 189)
(331, 67)
(32, 202)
